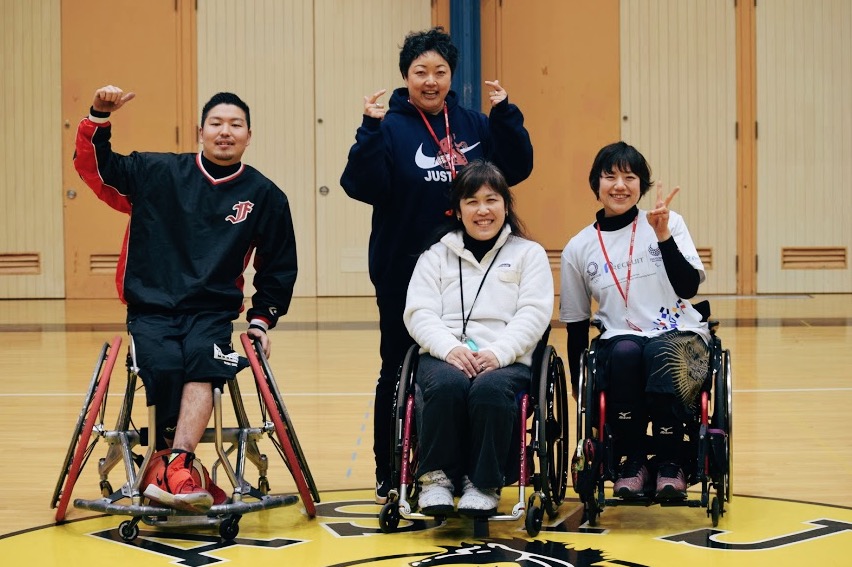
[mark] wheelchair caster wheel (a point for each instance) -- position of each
(229, 528)
(592, 514)
(715, 511)
(128, 530)
(535, 515)
(389, 517)
(106, 488)
(481, 527)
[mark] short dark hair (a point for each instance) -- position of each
(471, 178)
(624, 157)
(418, 43)
(225, 98)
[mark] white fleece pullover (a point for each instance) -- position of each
(509, 316)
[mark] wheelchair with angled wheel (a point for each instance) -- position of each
(541, 434)
(233, 447)
(707, 454)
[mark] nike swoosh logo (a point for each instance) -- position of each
(427, 162)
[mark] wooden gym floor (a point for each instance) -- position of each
(792, 365)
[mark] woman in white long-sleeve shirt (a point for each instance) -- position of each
(478, 302)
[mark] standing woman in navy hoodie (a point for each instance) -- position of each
(402, 163)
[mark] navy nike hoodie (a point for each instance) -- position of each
(395, 165)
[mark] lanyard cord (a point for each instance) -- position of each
(624, 292)
(461, 289)
(448, 157)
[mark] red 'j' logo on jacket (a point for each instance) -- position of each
(243, 208)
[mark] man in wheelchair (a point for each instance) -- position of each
(195, 220)
(479, 301)
(641, 267)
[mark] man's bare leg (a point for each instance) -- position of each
(178, 488)
(196, 407)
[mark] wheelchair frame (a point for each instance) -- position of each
(243, 439)
(711, 435)
(546, 402)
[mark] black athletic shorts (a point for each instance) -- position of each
(173, 349)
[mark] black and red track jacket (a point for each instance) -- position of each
(190, 236)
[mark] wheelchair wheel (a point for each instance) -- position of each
(404, 387)
(723, 419)
(587, 462)
(715, 511)
(389, 517)
(533, 521)
(230, 528)
(286, 443)
(552, 423)
(94, 407)
(128, 530)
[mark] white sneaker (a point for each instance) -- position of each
(383, 488)
(478, 502)
(436, 494)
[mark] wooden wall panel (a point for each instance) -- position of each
(31, 194)
(153, 121)
(559, 62)
(264, 52)
(678, 101)
(357, 54)
(804, 142)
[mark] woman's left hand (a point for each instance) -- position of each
(497, 94)
(485, 361)
(658, 218)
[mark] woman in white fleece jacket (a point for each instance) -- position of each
(478, 302)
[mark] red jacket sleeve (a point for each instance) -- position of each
(94, 161)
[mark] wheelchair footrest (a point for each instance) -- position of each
(647, 501)
(106, 506)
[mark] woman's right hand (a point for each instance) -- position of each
(462, 358)
(372, 107)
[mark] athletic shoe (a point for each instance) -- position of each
(219, 495)
(671, 482)
(177, 487)
(383, 488)
(631, 484)
(436, 494)
(478, 502)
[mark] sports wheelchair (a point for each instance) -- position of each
(707, 449)
(125, 436)
(546, 437)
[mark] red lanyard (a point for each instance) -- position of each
(448, 157)
(626, 291)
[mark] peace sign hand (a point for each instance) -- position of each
(658, 218)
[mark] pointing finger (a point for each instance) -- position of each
(376, 95)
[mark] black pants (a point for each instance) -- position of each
(465, 426)
(395, 342)
(652, 379)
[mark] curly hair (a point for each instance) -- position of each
(418, 43)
